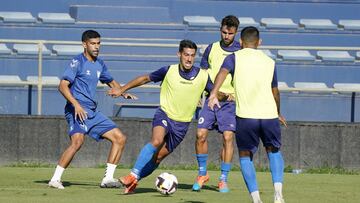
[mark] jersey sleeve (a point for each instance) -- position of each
(205, 58)
(229, 64)
(159, 74)
(71, 70)
(274, 82)
(209, 85)
(105, 76)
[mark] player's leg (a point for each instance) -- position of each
(226, 158)
(118, 140)
(247, 141)
(205, 122)
(77, 140)
(144, 157)
(226, 122)
(272, 141)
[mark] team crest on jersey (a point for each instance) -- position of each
(164, 122)
(74, 63)
(201, 120)
(98, 74)
(88, 72)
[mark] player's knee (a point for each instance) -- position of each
(228, 138)
(271, 149)
(119, 138)
(76, 144)
(201, 136)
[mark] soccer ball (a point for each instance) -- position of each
(166, 183)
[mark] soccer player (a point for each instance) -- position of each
(257, 109)
(78, 86)
(181, 88)
(221, 118)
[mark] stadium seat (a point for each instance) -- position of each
(269, 53)
(358, 55)
(317, 24)
(341, 56)
(9, 79)
(46, 80)
(284, 23)
(4, 49)
(295, 55)
(55, 18)
(247, 21)
(66, 50)
(19, 17)
(350, 24)
(29, 49)
(347, 86)
(310, 85)
(203, 21)
(282, 85)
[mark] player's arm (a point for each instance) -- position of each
(141, 80)
(64, 89)
(276, 94)
(115, 85)
(219, 80)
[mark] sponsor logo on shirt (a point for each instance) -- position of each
(186, 82)
(88, 72)
(74, 63)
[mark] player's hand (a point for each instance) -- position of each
(80, 113)
(115, 92)
(129, 96)
(213, 101)
(282, 120)
(230, 97)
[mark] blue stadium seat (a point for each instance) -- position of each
(46, 80)
(29, 49)
(358, 55)
(203, 21)
(311, 85)
(67, 50)
(4, 49)
(295, 55)
(282, 85)
(247, 21)
(18, 17)
(283, 23)
(342, 56)
(9, 79)
(317, 24)
(63, 18)
(350, 24)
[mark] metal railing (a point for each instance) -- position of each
(41, 43)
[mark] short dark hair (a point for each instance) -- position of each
(187, 44)
(250, 34)
(230, 21)
(89, 34)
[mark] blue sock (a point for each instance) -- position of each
(146, 154)
(202, 159)
(148, 169)
(225, 168)
(249, 174)
(276, 166)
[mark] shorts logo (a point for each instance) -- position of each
(232, 125)
(71, 128)
(164, 122)
(83, 126)
(201, 120)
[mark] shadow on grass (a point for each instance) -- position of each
(205, 187)
(66, 183)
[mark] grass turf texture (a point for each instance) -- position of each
(82, 185)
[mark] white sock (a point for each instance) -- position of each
(255, 196)
(109, 172)
(278, 189)
(58, 173)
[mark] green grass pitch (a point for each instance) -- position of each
(82, 185)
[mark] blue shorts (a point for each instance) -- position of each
(175, 131)
(250, 131)
(222, 119)
(95, 125)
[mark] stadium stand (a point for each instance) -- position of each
(146, 35)
(206, 21)
(18, 17)
(317, 24)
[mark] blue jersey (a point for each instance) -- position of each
(84, 76)
(159, 75)
(229, 64)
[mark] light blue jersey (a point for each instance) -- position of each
(84, 76)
